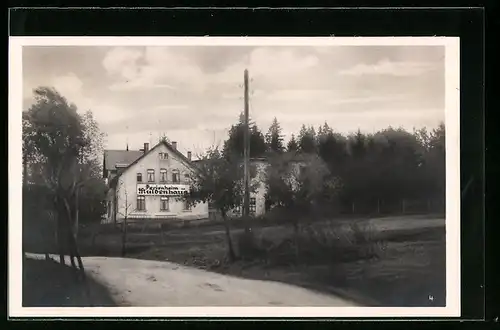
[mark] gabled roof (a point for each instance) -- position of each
(142, 155)
(114, 157)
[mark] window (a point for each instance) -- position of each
(252, 206)
(175, 176)
(151, 175)
(164, 204)
(163, 155)
(187, 206)
(141, 203)
(186, 177)
(163, 175)
(139, 177)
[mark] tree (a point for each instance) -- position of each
(307, 137)
(218, 181)
(299, 183)
(234, 145)
(332, 148)
(257, 142)
(292, 144)
(434, 163)
(274, 139)
(126, 207)
(62, 147)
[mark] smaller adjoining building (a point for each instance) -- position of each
(257, 204)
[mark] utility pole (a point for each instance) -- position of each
(246, 153)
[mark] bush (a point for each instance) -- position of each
(251, 246)
(316, 243)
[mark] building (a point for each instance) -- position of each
(148, 184)
(257, 203)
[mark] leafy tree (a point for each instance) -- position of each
(218, 181)
(292, 145)
(299, 183)
(61, 150)
(435, 162)
(274, 138)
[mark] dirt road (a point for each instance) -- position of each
(144, 283)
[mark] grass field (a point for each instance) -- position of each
(405, 267)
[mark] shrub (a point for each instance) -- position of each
(251, 246)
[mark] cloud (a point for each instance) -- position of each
(299, 94)
(161, 67)
(138, 84)
(273, 63)
(122, 61)
(172, 107)
(152, 67)
(386, 67)
(368, 99)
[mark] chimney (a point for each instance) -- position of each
(146, 147)
(174, 145)
(189, 155)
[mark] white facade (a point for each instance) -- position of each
(163, 168)
(258, 195)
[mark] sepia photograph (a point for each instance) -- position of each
(227, 173)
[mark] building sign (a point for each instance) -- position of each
(162, 189)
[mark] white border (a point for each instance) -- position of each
(452, 117)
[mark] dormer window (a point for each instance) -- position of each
(163, 155)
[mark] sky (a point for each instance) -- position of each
(193, 94)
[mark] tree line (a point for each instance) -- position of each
(392, 170)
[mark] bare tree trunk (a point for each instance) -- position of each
(70, 236)
(124, 236)
(76, 227)
(60, 240)
(232, 255)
